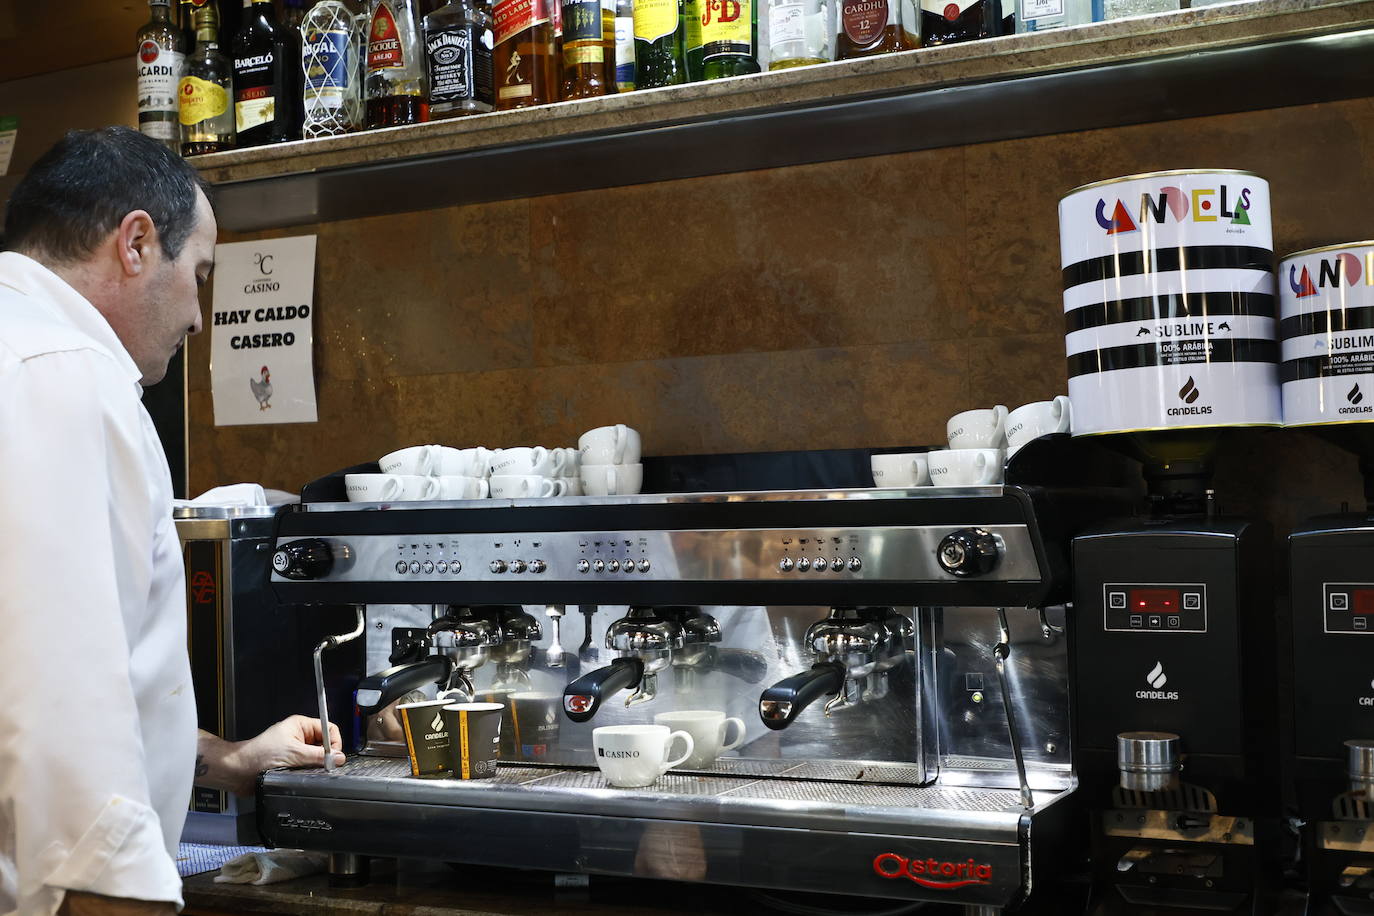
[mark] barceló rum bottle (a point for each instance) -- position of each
(524, 63)
(870, 27)
(659, 52)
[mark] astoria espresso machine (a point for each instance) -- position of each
(897, 659)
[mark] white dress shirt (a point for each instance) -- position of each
(97, 720)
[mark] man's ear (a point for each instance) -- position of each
(134, 241)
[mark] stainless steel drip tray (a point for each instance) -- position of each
(983, 815)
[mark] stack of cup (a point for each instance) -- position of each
(610, 461)
(1041, 418)
(423, 472)
(977, 449)
(528, 472)
(570, 471)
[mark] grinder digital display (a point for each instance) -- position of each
(1348, 607)
(1154, 607)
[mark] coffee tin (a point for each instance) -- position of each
(1326, 329)
(1169, 304)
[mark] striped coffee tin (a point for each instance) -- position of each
(1326, 331)
(1169, 305)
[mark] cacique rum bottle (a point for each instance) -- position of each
(205, 112)
(331, 70)
(395, 90)
(161, 61)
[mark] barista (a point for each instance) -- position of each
(108, 238)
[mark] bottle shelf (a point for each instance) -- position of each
(1235, 57)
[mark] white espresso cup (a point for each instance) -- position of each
(572, 463)
(612, 479)
(526, 486)
(617, 444)
(630, 756)
(458, 487)
(463, 462)
(525, 461)
(1041, 418)
(708, 729)
(388, 488)
(420, 460)
(905, 470)
(574, 486)
(978, 428)
(965, 467)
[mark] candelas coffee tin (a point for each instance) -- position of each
(1169, 302)
(1326, 310)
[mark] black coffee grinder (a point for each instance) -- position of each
(1332, 591)
(1175, 700)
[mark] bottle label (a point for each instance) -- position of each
(515, 16)
(950, 10)
(625, 53)
(864, 20)
(655, 19)
(253, 108)
(324, 58)
(727, 27)
(691, 17)
(786, 22)
(1039, 9)
(159, 72)
(582, 21)
(200, 100)
(384, 50)
(459, 60)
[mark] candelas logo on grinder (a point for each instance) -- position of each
(1201, 205)
(936, 874)
(1331, 272)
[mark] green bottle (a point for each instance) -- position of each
(691, 18)
(729, 38)
(659, 57)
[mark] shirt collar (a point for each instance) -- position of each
(57, 297)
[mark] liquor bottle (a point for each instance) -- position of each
(1040, 15)
(730, 38)
(525, 63)
(624, 46)
(799, 34)
(458, 59)
(949, 21)
(161, 62)
(332, 98)
(586, 53)
(207, 118)
(292, 18)
(694, 52)
(264, 74)
(868, 27)
(395, 87)
(659, 39)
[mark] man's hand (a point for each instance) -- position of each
(235, 765)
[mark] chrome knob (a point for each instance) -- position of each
(629, 566)
(614, 566)
(442, 566)
(428, 567)
(855, 564)
(402, 566)
(455, 567)
(583, 566)
(836, 564)
(599, 565)
(785, 564)
(803, 564)
(538, 566)
(644, 565)
(968, 552)
(517, 566)
(497, 566)
(1147, 761)
(819, 565)
(307, 559)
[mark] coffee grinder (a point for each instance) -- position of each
(1175, 702)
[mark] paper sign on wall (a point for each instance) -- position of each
(261, 369)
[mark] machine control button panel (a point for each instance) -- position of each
(1155, 607)
(1348, 607)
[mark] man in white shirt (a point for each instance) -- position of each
(108, 238)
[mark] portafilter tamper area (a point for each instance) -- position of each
(1360, 765)
(1147, 761)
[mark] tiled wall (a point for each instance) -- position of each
(845, 304)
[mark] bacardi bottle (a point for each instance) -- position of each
(395, 88)
(526, 64)
(161, 62)
(329, 62)
(729, 37)
(264, 78)
(204, 109)
(458, 45)
(587, 52)
(660, 38)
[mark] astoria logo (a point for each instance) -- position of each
(1331, 272)
(936, 874)
(1202, 205)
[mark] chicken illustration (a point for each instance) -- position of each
(262, 390)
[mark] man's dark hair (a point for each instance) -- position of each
(80, 190)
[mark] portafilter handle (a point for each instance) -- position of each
(583, 697)
(780, 704)
(1147, 761)
(1360, 765)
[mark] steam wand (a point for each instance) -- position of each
(1001, 652)
(330, 642)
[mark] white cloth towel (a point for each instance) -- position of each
(235, 495)
(271, 866)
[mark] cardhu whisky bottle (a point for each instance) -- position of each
(870, 27)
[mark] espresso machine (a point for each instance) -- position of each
(898, 658)
(1176, 704)
(1332, 590)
